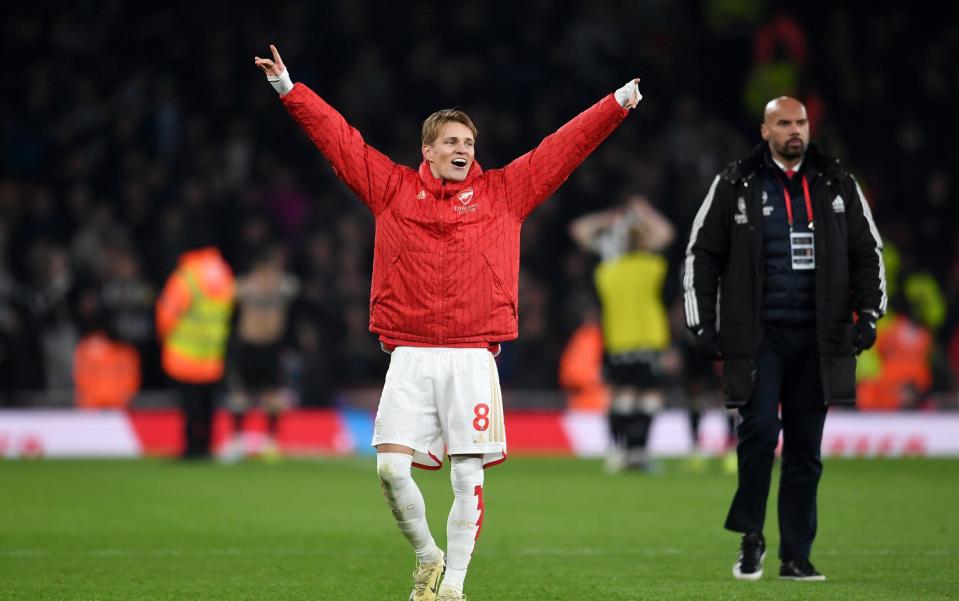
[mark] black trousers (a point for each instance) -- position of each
(787, 373)
(197, 403)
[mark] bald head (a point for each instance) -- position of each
(783, 104)
(786, 128)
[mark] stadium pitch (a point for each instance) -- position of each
(555, 529)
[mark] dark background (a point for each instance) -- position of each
(126, 127)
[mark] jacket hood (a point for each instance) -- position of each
(436, 185)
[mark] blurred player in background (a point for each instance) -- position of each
(630, 241)
(444, 296)
(263, 296)
(193, 322)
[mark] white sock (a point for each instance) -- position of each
(406, 502)
(466, 517)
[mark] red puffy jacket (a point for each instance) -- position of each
(446, 255)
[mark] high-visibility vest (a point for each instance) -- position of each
(106, 373)
(581, 369)
(202, 331)
(193, 317)
(630, 291)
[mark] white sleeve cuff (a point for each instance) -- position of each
(282, 82)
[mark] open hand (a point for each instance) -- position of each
(272, 68)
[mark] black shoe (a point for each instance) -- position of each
(752, 552)
(799, 569)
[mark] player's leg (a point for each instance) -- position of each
(646, 378)
(695, 418)
(465, 519)
(648, 403)
(729, 457)
(621, 403)
(696, 461)
(263, 378)
(695, 367)
(238, 400)
(238, 403)
(405, 425)
(273, 404)
(393, 468)
(471, 415)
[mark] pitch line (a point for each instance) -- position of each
(528, 551)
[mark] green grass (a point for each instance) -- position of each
(555, 529)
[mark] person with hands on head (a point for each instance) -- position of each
(631, 241)
(786, 246)
(443, 298)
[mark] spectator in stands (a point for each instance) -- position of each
(106, 372)
(581, 367)
(904, 348)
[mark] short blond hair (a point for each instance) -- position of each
(433, 123)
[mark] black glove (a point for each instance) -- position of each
(864, 331)
(706, 341)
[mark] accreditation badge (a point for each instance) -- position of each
(802, 248)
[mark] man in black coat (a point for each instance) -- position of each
(785, 247)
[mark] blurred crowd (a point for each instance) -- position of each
(126, 129)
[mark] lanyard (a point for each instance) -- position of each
(789, 204)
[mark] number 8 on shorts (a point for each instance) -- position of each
(481, 422)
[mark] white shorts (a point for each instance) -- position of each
(442, 401)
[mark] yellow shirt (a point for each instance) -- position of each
(630, 290)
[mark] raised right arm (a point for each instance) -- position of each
(368, 172)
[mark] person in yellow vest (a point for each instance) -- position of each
(193, 322)
(629, 280)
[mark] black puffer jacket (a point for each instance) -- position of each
(724, 262)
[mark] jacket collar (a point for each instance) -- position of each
(441, 189)
(809, 167)
(814, 159)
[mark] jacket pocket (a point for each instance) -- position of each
(477, 305)
(500, 286)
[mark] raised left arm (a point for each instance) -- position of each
(533, 177)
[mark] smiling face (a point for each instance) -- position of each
(786, 128)
(449, 138)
